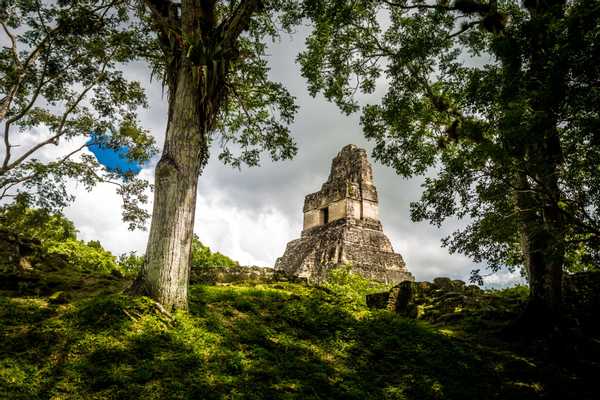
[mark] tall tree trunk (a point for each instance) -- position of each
(537, 192)
(165, 274)
(546, 277)
(200, 55)
(542, 244)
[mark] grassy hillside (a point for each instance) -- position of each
(67, 331)
(275, 341)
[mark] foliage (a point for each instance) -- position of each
(61, 83)
(202, 257)
(225, 43)
(130, 263)
(515, 292)
(495, 103)
(35, 223)
(81, 255)
(352, 286)
(58, 237)
(279, 341)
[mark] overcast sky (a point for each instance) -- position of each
(251, 214)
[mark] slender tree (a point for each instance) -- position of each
(60, 82)
(497, 102)
(213, 61)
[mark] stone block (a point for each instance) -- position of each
(378, 300)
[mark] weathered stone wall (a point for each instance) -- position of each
(237, 274)
(344, 241)
(337, 210)
(441, 301)
(445, 300)
(348, 193)
(312, 219)
(351, 164)
(370, 210)
(15, 252)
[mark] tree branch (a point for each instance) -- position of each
(10, 183)
(59, 131)
(403, 6)
(465, 28)
(49, 35)
(5, 102)
(167, 22)
(233, 26)
(13, 42)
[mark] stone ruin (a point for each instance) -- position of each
(341, 226)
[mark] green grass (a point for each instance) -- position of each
(275, 341)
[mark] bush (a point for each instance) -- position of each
(83, 256)
(57, 236)
(202, 257)
(35, 223)
(352, 286)
(130, 263)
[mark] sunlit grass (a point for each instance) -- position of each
(266, 341)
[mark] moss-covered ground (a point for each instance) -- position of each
(267, 341)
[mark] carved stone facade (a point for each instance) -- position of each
(341, 225)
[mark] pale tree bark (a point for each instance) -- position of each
(197, 89)
(165, 275)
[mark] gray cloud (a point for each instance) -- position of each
(321, 130)
(251, 214)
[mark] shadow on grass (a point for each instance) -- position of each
(269, 342)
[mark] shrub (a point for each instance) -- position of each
(35, 223)
(202, 257)
(57, 236)
(83, 256)
(352, 286)
(130, 263)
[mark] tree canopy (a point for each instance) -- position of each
(496, 103)
(468, 86)
(213, 60)
(62, 83)
(226, 45)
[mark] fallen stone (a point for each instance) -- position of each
(378, 300)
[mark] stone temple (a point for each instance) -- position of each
(341, 225)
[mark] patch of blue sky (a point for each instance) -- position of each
(115, 160)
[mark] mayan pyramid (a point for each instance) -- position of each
(341, 226)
